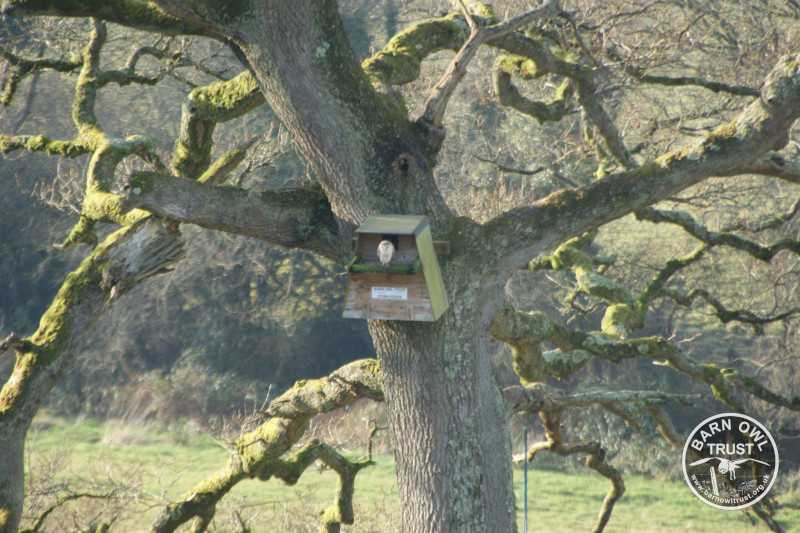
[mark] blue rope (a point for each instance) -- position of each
(525, 482)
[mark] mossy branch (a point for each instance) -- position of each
(537, 397)
(508, 96)
(83, 114)
(525, 332)
(40, 143)
(99, 204)
(341, 512)
(258, 454)
(139, 14)
(588, 100)
(24, 67)
(204, 108)
(622, 315)
(437, 102)
(400, 60)
(121, 261)
(625, 314)
(218, 172)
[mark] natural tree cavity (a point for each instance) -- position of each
(377, 138)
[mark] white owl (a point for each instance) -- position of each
(385, 252)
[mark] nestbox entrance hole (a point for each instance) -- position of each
(394, 239)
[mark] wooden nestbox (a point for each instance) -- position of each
(410, 287)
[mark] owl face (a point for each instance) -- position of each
(385, 252)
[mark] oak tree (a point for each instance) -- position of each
(372, 152)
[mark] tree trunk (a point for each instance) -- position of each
(12, 473)
(448, 418)
(449, 422)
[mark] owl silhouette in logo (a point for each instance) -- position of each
(726, 466)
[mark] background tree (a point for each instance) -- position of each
(368, 156)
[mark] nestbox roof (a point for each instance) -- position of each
(394, 224)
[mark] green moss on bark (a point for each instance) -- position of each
(399, 61)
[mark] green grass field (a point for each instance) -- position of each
(164, 465)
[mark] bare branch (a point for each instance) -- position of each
(505, 168)
(683, 81)
(763, 225)
(443, 90)
(595, 459)
(719, 238)
(23, 67)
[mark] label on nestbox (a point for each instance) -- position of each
(390, 293)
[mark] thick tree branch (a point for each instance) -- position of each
(293, 217)
(762, 126)
(537, 397)
(770, 164)
(399, 61)
(259, 453)
(139, 14)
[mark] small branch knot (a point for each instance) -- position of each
(12, 341)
